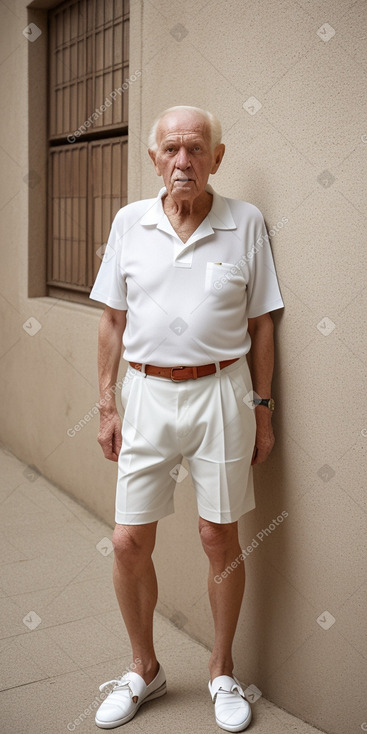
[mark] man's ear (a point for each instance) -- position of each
(153, 155)
(217, 157)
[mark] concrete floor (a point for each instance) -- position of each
(61, 630)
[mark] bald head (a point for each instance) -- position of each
(189, 116)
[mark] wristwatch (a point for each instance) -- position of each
(268, 402)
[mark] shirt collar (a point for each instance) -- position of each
(219, 217)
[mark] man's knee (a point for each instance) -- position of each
(133, 542)
(218, 539)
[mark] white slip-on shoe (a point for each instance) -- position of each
(232, 711)
(119, 707)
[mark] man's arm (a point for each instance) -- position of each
(261, 363)
(111, 329)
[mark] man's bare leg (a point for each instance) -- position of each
(221, 545)
(136, 589)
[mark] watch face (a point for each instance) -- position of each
(267, 402)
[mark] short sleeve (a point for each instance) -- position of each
(110, 284)
(263, 292)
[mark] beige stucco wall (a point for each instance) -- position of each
(300, 156)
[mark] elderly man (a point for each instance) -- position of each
(188, 281)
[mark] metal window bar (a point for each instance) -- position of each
(87, 178)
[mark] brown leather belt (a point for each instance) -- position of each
(177, 374)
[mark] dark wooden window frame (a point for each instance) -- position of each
(87, 164)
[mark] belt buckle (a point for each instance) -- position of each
(194, 375)
(175, 379)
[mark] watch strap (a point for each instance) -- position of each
(267, 402)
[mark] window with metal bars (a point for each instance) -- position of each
(88, 112)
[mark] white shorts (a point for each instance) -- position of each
(204, 420)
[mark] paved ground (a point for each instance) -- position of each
(61, 630)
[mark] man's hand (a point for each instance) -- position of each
(264, 441)
(109, 436)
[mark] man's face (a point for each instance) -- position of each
(185, 157)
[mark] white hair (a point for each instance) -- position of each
(213, 122)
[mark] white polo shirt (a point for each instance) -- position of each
(188, 303)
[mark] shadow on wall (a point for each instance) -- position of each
(257, 654)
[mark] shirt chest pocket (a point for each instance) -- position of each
(223, 275)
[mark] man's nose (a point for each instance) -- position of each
(182, 159)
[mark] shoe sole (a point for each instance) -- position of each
(240, 727)
(154, 694)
